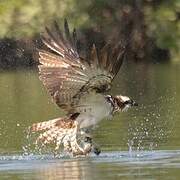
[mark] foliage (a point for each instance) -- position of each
(151, 24)
(27, 17)
(163, 23)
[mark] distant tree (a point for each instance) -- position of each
(151, 28)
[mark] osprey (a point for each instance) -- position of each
(77, 85)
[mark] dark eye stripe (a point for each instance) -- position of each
(127, 102)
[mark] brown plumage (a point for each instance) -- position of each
(73, 80)
(61, 132)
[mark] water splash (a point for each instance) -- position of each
(151, 128)
(30, 147)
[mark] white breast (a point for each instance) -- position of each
(94, 110)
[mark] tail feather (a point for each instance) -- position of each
(62, 132)
(48, 136)
(44, 125)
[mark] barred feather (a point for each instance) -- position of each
(60, 132)
(44, 125)
(66, 75)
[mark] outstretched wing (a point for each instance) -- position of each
(67, 76)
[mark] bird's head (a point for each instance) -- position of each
(122, 103)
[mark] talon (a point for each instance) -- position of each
(96, 150)
(88, 139)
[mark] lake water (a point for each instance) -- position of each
(143, 143)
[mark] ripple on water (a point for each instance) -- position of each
(122, 158)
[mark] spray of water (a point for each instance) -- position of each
(151, 128)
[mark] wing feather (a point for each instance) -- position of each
(68, 77)
(104, 56)
(94, 57)
(67, 32)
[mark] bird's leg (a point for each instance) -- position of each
(78, 146)
(96, 149)
(87, 138)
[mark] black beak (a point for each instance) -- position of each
(134, 103)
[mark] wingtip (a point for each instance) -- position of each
(66, 26)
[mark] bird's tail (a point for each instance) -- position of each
(45, 125)
(55, 129)
(66, 122)
(61, 131)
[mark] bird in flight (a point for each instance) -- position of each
(77, 85)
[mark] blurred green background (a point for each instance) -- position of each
(152, 27)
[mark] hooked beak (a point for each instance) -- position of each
(134, 103)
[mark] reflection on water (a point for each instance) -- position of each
(153, 125)
(66, 170)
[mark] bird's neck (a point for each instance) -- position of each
(111, 100)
